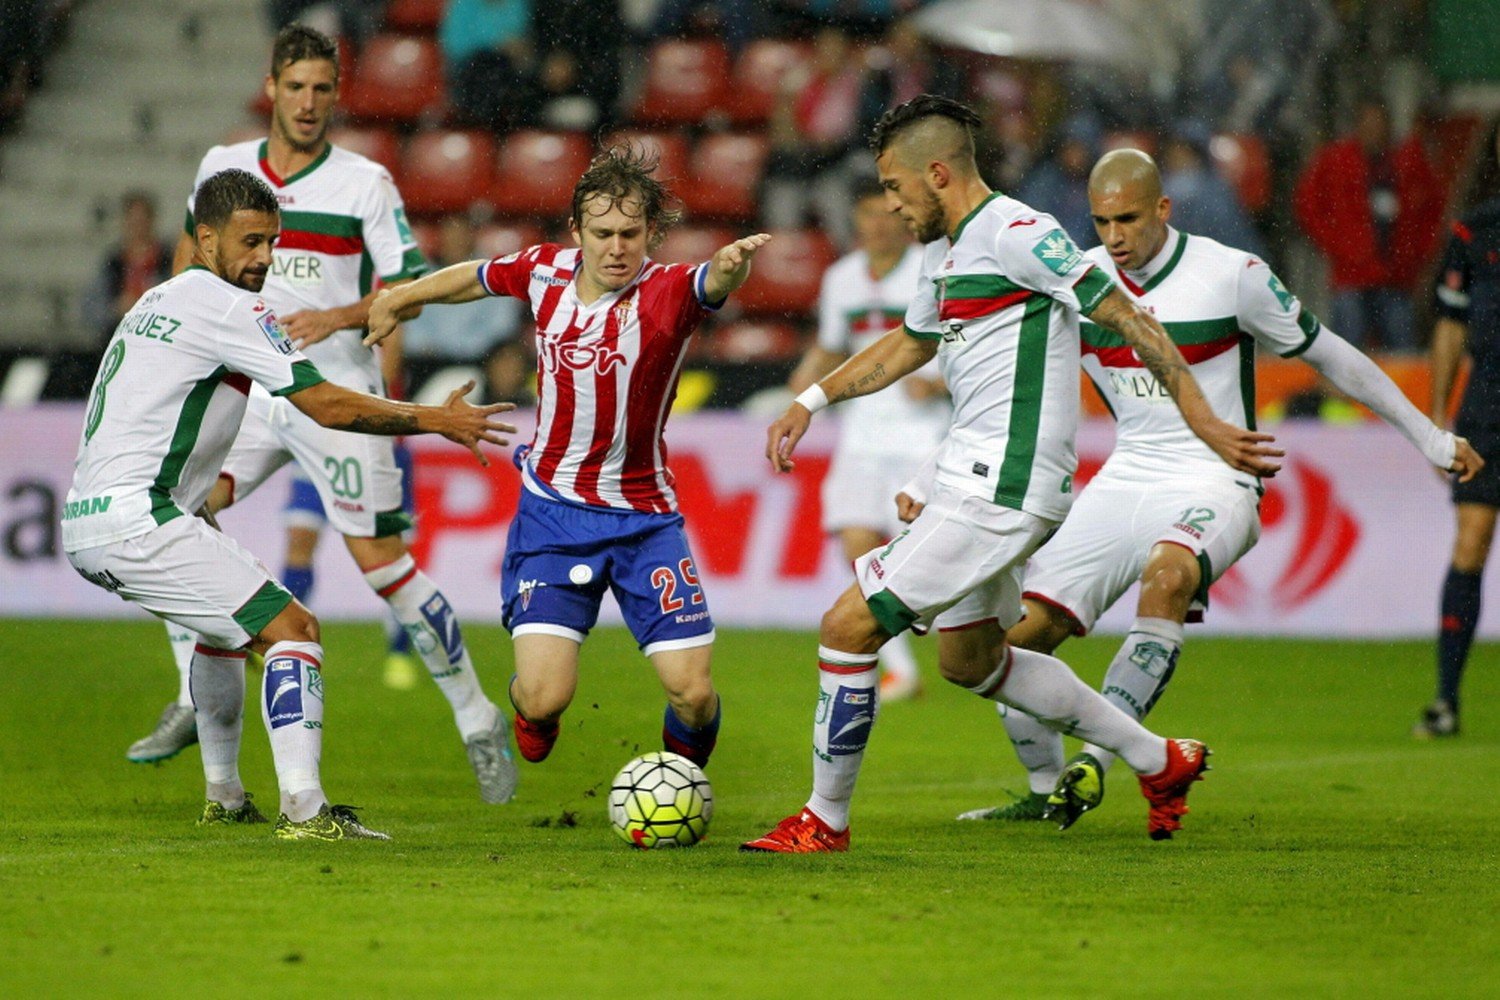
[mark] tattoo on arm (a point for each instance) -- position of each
(1149, 339)
(384, 423)
(868, 382)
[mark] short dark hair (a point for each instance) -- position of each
(297, 42)
(903, 116)
(625, 171)
(230, 191)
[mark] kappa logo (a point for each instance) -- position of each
(1058, 252)
(548, 279)
(1021, 222)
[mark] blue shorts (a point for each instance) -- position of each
(560, 557)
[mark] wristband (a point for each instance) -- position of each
(813, 398)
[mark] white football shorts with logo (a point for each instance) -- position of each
(860, 490)
(958, 564)
(356, 475)
(191, 575)
(1102, 547)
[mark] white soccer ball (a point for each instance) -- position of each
(660, 800)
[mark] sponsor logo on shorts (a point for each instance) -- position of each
(357, 508)
(688, 619)
(104, 579)
(876, 568)
(524, 590)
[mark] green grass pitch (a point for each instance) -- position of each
(1326, 854)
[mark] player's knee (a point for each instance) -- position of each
(966, 666)
(539, 701)
(1471, 552)
(850, 626)
(694, 702)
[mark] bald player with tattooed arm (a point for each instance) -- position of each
(998, 302)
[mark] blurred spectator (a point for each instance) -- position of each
(487, 50)
(471, 334)
(814, 131)
(1373, 210)
(355, 20)
(1059, 184)
(900, 68)
(734, 21)
(1255, 56)
(139, 261)
(19, 45)
(866, 16)
(1203, 203)
(578, 63)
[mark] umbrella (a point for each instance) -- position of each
(1061, 30)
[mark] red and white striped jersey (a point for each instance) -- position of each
(606, 375)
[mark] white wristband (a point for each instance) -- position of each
(813, 398)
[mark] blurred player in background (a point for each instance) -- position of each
(343, 226)
(1467, 303)
(882, 438)
(1165, 509)
(598, 510)
(998, 302)
(163, 412)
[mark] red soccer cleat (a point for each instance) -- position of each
(535, 740)
(1167, 790)
(803, 833)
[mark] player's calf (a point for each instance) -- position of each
(696, 743)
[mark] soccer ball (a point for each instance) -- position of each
(660, 800)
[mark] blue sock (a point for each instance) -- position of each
(396, 638)
(299, 580)
(1460, 615)
(694, 744)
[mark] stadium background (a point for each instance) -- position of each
(757, 112)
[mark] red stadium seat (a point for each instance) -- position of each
(672, 149)
(725, 174)
(536, 172)
(420, 17)
(499, 239)
(749, 340)
(787, 273)
(379, 144)
(398, 78)
(690, 244)
(446, 171)
(685, 80)
(759, 74)
(1244, 162)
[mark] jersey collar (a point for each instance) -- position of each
(968, 218)
(265, 164)
(1157, 268)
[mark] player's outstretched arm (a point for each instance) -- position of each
(1245, 450)
(454, 284)
(877, 366)
(730, 266)
(346, 410)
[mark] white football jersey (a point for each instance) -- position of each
(855, 309)
(343, 225)
(1003, 296)
(1216, 303)
(167, 404)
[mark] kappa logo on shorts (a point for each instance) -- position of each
(275, 333)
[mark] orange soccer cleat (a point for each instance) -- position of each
(1167, 790)
(803, 833)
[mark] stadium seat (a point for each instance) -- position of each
(725, 174)
(398, 78)
(749, 340)
(446, 171)
(499, 239)
(759, 74)
(419, 17)
(685, 80)
(672, 149)
(691, 244)
(787, 273)
(1244, 162)
(379, 144)
(536, 171)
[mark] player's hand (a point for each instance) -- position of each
(383, 319)
(783, 435)
(1466, 461)
(468, 425)
(1246, 451)
(730, 266)
(907, 509)
(308, 326)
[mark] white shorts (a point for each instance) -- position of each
(1102, 547)
(191, 575)
(959, 563)
(355, 474)
(860, 491)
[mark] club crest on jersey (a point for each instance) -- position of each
(272, 328)
(1057, 251)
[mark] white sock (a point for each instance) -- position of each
(182, 642)
(1140, 671)
(218, 693)
(897, 659)
(1045, 687)
(292, 710)
(848, 698)
(1039, 748)
(428, 618)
